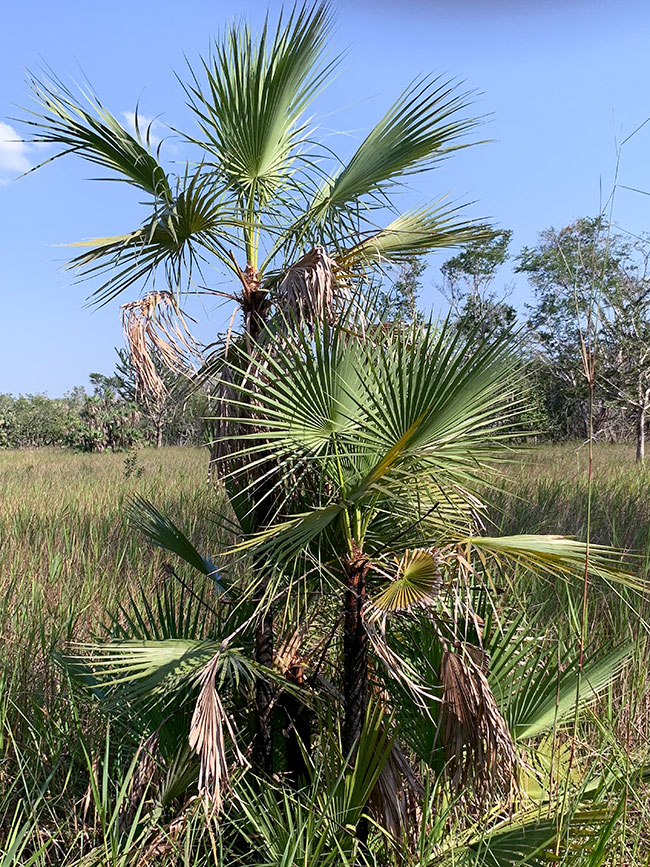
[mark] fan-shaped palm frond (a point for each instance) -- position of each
(372, 418)
(257, 89)
(417, 232)
(182, 231)
(96, 135)
(534, 693)
(422, 127)
(417, 579)
(557, 556)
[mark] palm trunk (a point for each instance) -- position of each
(255, 307)
(355, 650)
(298, 731)
(159, 434)
(263, 742)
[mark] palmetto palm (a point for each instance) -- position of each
(380, 455)
(356, 454)
(264, 192)
(291, 224)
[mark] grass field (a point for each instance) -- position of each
(66, 554)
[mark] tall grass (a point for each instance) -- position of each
(66, 554)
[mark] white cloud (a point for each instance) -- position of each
(14, 154)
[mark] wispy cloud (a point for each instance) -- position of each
(15, 155)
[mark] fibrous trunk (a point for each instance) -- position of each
(263, 743)
(355, 649)
(298, 731)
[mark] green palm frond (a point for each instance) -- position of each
(423, 126)
(145, 667)
(556, 556)
(158, 529)
(249, 111)
(417, 232)
(194, 221)
(534, 693)
(416, 581)
(94, 134)
(528, 841)
(368, 420)
(316, 825)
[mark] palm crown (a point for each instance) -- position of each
(262, 185)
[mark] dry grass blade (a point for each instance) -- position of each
(309, 288)
(155, 323)
(208, 730)
(481, 755)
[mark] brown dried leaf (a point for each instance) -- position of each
(208, 730)
(481, 754)
(156, 324)
(309, 288)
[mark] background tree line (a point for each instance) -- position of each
(590, 286)
(115, 416)
(591, 291)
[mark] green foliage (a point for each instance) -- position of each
(468, 278)
(591, 288)
(115, 417)
(32, 421)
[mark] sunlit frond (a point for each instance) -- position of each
(417, 580)
(195, 221)
(558, 556)
(256, 90)
(94, 134)
(423, 126)
(414, 233)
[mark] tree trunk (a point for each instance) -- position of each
(355, 650)
(640, 434)
(297, 731)
(263, 741)
(159, 433)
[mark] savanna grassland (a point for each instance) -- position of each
(68, 556)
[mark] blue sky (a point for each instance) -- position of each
(562, 82)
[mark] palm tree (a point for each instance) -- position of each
(355, 454)
(291, 224)
(380, 444)
(383, 442)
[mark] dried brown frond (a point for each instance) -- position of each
(481, 755)
(395, 799)
(155, 324)
(287, 652)
(163, 842)
(309, 288)
(208, 730)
